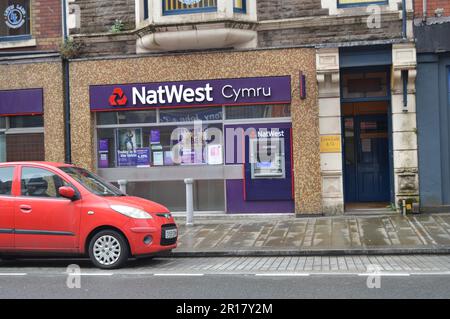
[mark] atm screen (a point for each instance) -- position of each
(267, 158)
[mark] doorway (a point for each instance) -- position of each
(367, 170)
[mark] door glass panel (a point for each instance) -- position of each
(38, 182)
(6, 177)
(349, 141)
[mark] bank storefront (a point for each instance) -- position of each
(217, 131)
(231, 132)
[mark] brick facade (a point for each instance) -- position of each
(332, 30)
(286, 9)
(46, 26)
(99, 15)
(431, 7)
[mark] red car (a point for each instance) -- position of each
(59, 208)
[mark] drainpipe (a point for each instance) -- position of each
(66, 90)
(404, 19)
(425, 10)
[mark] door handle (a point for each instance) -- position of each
(25, 208)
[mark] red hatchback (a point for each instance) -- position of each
(59, 208)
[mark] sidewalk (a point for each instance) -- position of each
(343, 235)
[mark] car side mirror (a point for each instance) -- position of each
(67, 192)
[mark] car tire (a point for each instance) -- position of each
(108, 249)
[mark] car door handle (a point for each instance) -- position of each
(25, 208)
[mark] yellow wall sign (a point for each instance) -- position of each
(330, 144)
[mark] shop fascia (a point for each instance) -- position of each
(181, 94)
(242, 91)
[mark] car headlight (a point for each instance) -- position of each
(132, 212)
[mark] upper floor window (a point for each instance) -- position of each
(350, 3)
(188, 6)
(14, 19)
(240, 6)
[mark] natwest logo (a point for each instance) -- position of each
(118, 98)
(169, 94)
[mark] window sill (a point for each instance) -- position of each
(5, 44)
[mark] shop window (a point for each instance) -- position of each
(257, 111)
(130, 117)
(6, 177)
(157, 146)
(15, 22)
(25, 147)
(364, 85)
(209, 194)
(191, 115)
(2, 147)
(2, 123)
(26, 121)
(352, 3)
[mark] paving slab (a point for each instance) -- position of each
(316, 236)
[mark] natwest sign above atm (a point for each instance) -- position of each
(244, 91)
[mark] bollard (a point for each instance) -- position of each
(123, 185)
(189, 201)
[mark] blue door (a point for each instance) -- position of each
(366, 158)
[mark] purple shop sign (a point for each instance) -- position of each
(20, 102)
(242, 91)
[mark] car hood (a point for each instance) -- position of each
(141, 203)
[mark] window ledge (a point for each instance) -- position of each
(17, 44)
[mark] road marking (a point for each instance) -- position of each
(13, 274)
(385, 274)
(443, 273)
(90, 274)
(282, 275)
(178, 275)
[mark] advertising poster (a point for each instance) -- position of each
(168, 158)
(128, 143)
(143, 157)
(155, 137)
(214, 154)
(158, 158)
(103, 151)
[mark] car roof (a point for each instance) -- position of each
(39, 163)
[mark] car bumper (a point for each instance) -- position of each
(140, 231)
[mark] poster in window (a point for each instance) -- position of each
(155, 137)
(158, 158)
(143, 157)
(128, 143)
(214, 154)
(168, 158)
(103, 151)
(14, 18)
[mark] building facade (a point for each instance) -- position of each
(303, 107)
(432, 30)
(31, 81)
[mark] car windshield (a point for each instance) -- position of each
(92, 182)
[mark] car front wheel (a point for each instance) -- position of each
(108, 249)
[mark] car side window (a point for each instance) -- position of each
(38, 182)
(6, 179)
